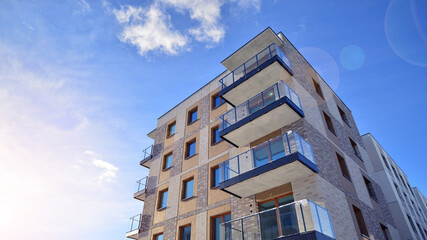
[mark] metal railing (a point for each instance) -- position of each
(253, 63)
(147, 153)
(298, 217)
(141, 185)
(265, 153)
(258, 102)
(135, 222)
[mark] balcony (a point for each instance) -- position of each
(264, 113)
(141, 189)
(147, 154)
(276, 162)
(299, 220)
(135, 223)
(264, 69)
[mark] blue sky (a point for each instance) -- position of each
(82, 83)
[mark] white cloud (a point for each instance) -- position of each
(207, 13)
(109, 170)
(82, 7)
(149, 30)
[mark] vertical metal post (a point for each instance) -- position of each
(289, 145)
(318, 218)
(269, 48)
(257, 64)
(303, 219)
(243, 233)
(259, 225)
(279, 221)
(238, 164)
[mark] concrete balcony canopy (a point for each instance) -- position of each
(147, 154)
(141, 189)
(271, 164)
(135, 223)
(300, 220)
(251, 48)
(264, 113)
(259, 72)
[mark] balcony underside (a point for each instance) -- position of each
(140, 195)
(270, 175)
(268, 119)
(146, 162)
(257, 80)
(250, 49)
(132, 234)
(314, 235)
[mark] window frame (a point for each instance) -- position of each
(156, 236)
(190, 115)
(213, 136)
(169, 134)
(181, 230)
(164, 168)
(345, 172)
(222, 215)
(161, 197)
(187, 148)
(359, 216)
(318, 89)
(185, 188)
(213, 176)
(329, 123)
(370, 188)
(343, 116)
(213, 102)
(355, 148)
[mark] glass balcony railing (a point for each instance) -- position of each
(265, 153)
(141, 185)
(253, 63)
(258, 102)
(135, 223)
(147, 153)
(295, 218)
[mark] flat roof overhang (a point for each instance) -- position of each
(270, 175)
(132, 234)
(266, 120)
(140, 195)
(254, 82)
(251, 48)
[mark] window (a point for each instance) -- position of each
(370, 188)
(190, 149)
(355, 149)
(385, 162)
(394, 171)
(360, 221)
(158, 236)
(385, 232)
(318, 89)
(215, 176)
(397, 190)
(343, 166)
(216, 226)
(167, 161)
(329, 123)
(185, 233)
(215, 135)
(188, 188)
(412, 224)
(216, 101)
(171, 129)
(192, 115)
(163, 199)
(343, 116)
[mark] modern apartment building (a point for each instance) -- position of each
(266, 150)
(407, 205)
